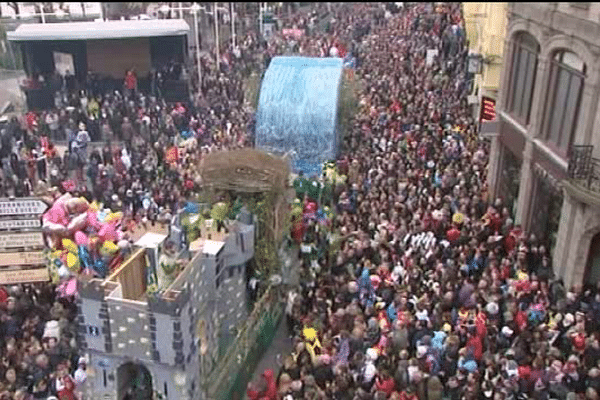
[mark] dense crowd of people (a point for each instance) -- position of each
(129, 150)
(423, 288)
(145, 165)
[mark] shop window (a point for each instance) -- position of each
(547, 203)
(592, 272)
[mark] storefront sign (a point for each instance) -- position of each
(11, 277)
(488, 109)
(26, 206)
(20, 224)
(21, 240)
(22, 258)
(295, 33)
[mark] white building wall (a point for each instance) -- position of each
(164, 338)
(91, 311)
(161, 375)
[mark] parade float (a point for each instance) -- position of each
(83, 239)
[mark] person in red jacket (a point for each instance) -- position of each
(65, 385)
(475, 346)
(385, 383)
(512, 238)
(271, 392)
(252, 392)
(3, 295)
(453, 234)
(130, 83)
(31, 120)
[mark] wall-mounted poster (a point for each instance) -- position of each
(63, 63)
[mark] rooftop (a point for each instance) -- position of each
(99, 30)
(212, 247)
(151, 239)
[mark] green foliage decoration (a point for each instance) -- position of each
(348, 104)
(220, 211)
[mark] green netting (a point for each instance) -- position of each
(257, 339)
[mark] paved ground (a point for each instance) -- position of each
(282, 342)
(273, 358)
(9, 89)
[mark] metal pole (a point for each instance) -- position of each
(216, 15)
(265, 11)
(42, 14)
(232, 24)
(198, 52)
(180, 10)
(102, 11)
(12, 55)
(260, 18)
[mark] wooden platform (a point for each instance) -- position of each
(140, 231)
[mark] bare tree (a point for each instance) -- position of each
(117, 10)
(45, 7)
(15, 6)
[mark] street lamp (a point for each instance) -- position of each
(215, 14)
(232, 24)
(195, 8)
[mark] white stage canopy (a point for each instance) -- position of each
(99, 30)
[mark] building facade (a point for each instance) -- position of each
(485, 27)
(547, 113)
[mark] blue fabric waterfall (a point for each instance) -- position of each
(297, 110)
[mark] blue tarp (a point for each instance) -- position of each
(297, 110)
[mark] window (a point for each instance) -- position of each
(567, 74)
(522, 76)
(219, 267)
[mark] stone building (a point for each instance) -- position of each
(485, 26)
(547, 131)
(169, 342)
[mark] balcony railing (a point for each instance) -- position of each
(584, 169)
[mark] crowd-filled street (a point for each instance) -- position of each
(414, 284)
